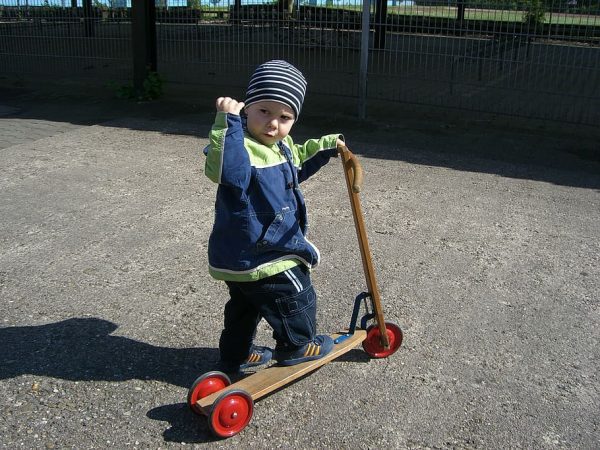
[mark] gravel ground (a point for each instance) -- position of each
(485, 242)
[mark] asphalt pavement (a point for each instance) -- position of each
(485, 242)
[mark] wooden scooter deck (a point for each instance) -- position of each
(267, 380)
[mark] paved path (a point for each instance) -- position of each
(22, 122)
(14, 130)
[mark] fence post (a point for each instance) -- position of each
(364, 59)
(460, 12)
(380, 24)
(143, 30)
(88, 17)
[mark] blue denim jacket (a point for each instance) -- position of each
(260, 222)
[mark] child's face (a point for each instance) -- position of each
(269, 122)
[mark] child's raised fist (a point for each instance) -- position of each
(229, 105)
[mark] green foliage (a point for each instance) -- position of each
(99, 5)
(152, 88)
(534, 12)
(194, 4)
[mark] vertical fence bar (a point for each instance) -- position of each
(364, 59)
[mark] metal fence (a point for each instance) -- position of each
(532, 58)
(55, 42)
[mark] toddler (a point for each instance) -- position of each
(258, 245)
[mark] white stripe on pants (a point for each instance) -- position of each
(294, 279)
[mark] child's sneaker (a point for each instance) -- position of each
(257, 357)
(319, 347)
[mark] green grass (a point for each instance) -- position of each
(496, 15)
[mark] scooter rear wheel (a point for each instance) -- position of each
(372, 344)
(206, 384)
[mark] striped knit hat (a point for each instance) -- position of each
(277, 81)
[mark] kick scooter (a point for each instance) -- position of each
(229, 407)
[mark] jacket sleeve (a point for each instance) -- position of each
(313, 154)
(227, 161)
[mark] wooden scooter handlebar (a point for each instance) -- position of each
(354, 178)
(352, 161)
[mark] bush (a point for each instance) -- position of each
(534, 12)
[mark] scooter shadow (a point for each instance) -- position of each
(184, 426)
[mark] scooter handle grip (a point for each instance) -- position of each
(352, 161)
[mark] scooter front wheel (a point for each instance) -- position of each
(372, 344)
(230, 413)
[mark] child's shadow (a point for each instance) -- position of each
(82, 349)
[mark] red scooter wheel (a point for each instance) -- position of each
(206, 384)
(231, 412)
(372, 344)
